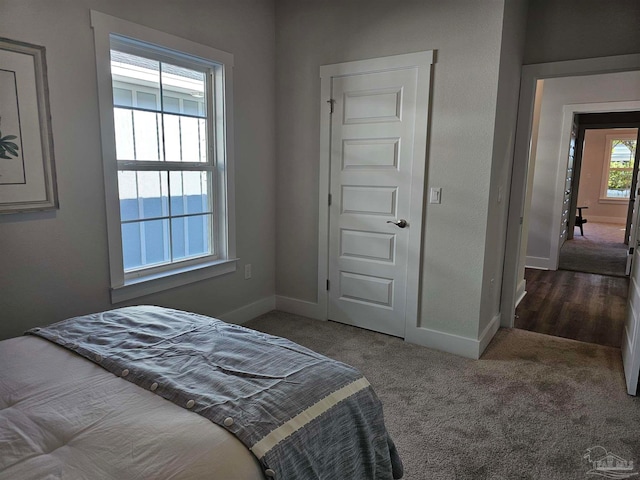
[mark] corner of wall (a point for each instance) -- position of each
(300, 307)
(248, 312)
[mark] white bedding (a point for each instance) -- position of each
(62, 416)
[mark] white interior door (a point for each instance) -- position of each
(374, 163)
(631, 334)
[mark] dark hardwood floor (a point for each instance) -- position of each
(581, 306)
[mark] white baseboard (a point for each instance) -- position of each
(249, 312)
(446, 342)
(456, 344)
(521, 291)
(540, 263)
(489, 332)
(300, 307)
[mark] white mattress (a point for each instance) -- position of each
(62, 416)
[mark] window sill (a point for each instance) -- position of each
(158, 282)
(614, 201)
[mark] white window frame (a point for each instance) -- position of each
(125, 286)
(604, 185)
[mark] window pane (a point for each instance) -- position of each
(138, 74)
(123, 122)
(621, 162)
(138, 135)
(122, 97)
(622, 153)
(147, 135)
(145, 243)
(191, 236)
(147, 100)
(189, 193)
(184, 83)
(171, 104)
(619, 185)
(202, 125)
(172, 142)
(185, 139)
(191, 107)
(190, 139)
(128, 192)
(143, 195)
(183, 133)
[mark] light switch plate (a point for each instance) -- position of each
(435, 195)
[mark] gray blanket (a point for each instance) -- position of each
(303, 415)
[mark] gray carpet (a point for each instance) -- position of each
(528, 409)
(601, 250)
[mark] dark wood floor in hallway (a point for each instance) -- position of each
(581, 306)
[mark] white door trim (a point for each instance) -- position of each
(422, 61)
(530, 75)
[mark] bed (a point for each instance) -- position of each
(154, 393)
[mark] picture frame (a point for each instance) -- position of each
(27, 166)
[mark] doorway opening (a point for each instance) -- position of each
(582, 299)
(602, 194)
(610, 84)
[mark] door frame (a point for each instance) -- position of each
(517, 195)
(575, 181)
(422, 61)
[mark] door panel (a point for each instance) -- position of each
(369, 200)
(631, 334)
(368, 106)
(368, 245)
(372, 138)
(381, 153)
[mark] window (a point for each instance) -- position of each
(618, 167)
(164, 105)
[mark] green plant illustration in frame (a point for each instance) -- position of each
(8, 148)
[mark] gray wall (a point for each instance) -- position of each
(54, 265)
(572, 29)
(508, 88)
(467, 36)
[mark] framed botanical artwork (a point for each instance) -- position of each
(27, 170)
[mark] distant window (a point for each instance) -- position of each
(618, 167)
(165, 140)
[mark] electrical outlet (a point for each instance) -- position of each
(247, 271)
